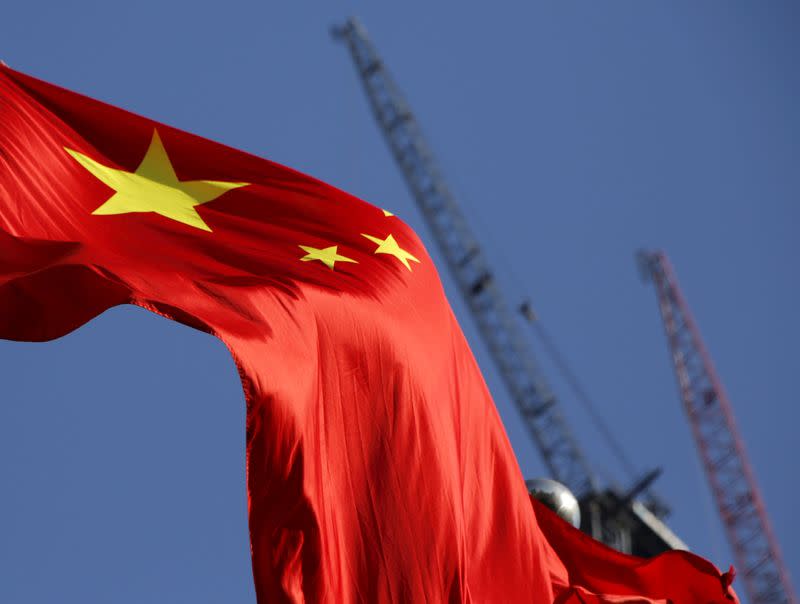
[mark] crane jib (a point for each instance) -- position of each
(496, 322)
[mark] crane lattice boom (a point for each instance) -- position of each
(721, 449)
(497, 324)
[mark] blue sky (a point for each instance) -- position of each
(572, 134)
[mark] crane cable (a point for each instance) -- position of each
(580, 393)
(526, 310)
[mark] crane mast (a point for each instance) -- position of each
(721, 448)
(497, 324)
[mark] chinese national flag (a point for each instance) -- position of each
(377, 467)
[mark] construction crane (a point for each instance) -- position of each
(615, 517)
(496, 322)
(727, 468)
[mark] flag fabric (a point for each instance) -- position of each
(377, 467)
(596, 572)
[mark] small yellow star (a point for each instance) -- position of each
(389, 246)
(155, 187)
(386, 212)
(328, 256)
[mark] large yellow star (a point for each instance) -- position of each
(328, 256)
(154, 187)
(389, 246)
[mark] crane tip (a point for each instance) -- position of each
(351, 24)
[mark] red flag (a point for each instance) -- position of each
(377, 467)
(597, 574)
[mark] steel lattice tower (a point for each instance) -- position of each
(499, 327)
(615, 517)
(720, 446)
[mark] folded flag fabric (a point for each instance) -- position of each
(377, 467)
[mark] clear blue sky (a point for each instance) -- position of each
(572, 133)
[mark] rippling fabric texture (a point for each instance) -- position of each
(377, 467)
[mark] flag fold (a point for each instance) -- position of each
(377, 467)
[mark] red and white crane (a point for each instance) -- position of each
(721, 449)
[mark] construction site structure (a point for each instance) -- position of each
(719, 444)
(610, 515)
